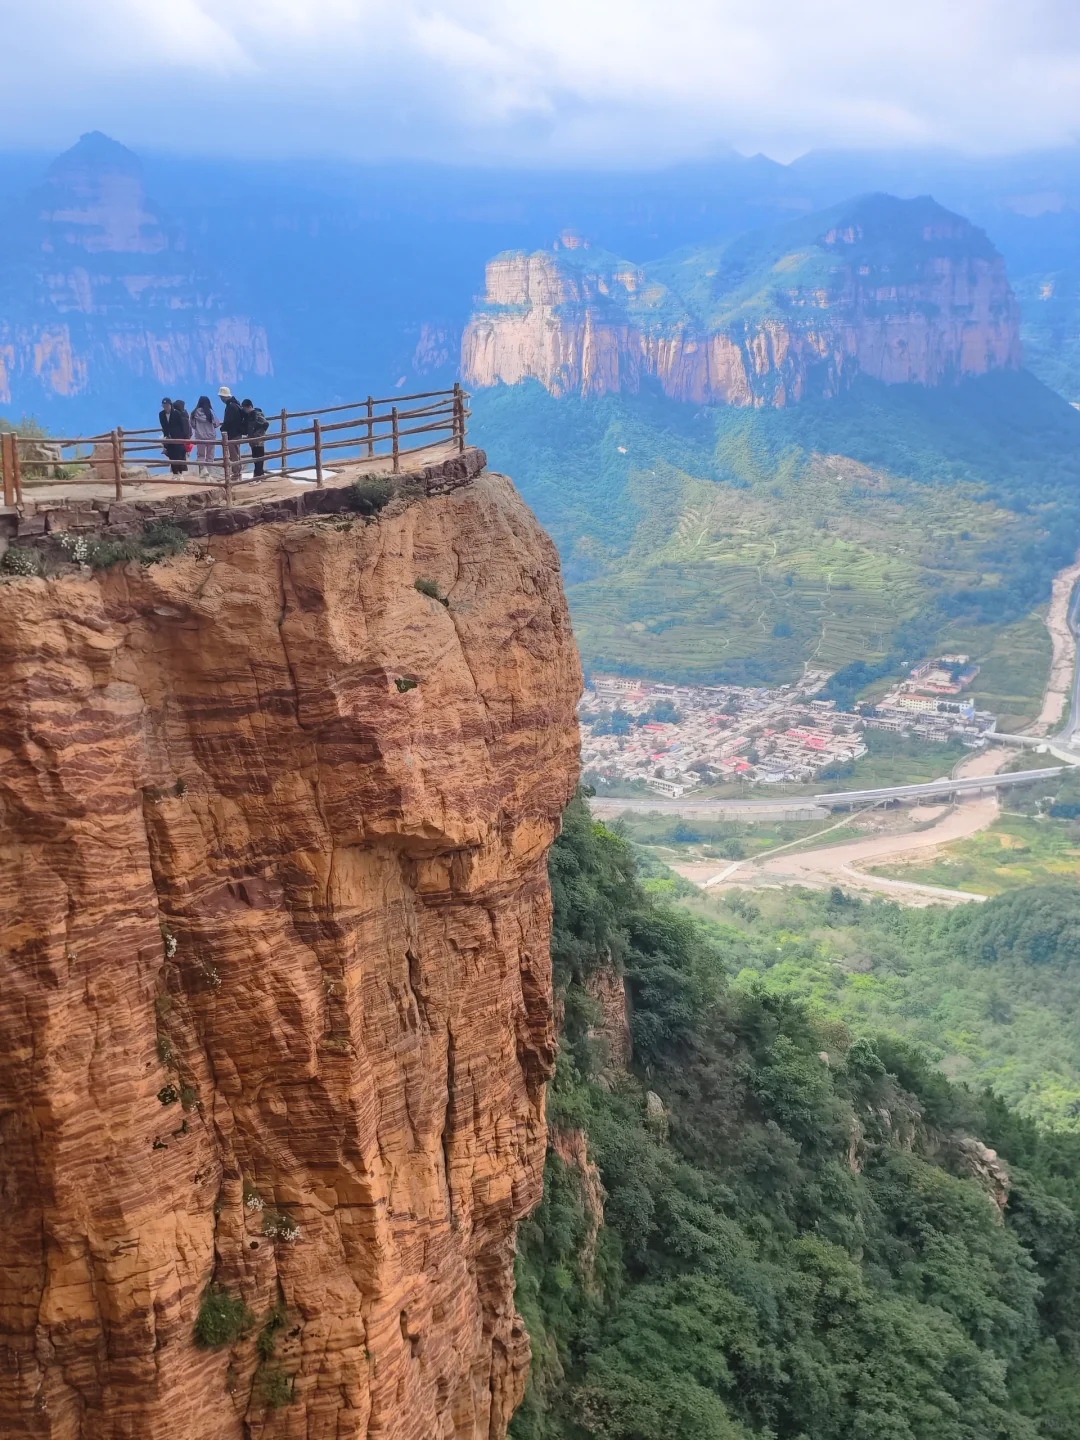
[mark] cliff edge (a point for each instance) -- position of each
(276, 1016)
(903, 291)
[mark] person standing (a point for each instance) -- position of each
(204, 428)
(179, 429)
(232, 428)
(255, 427)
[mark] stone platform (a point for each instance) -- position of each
(201, 509)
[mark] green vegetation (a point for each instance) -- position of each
(370, 494)
(984, 1014)
(890, 759)
(794, 1243)
(715, 543)
(670, 837)
(223, 1319)
(431, 590)
(1015, 663)
(1014, 851)
(267, 1340)
(275, 1386)
(22, 560)
(158, 540)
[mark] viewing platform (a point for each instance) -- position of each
(112, 483)
(334, 445)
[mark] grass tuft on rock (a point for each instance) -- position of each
(223, 1319)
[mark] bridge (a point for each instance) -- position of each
(812, 807)
(947, 785)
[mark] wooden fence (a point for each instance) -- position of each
(299, 444)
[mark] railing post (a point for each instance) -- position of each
(459, 417)
(226, 468)
(284, 440)
(370, 427)
(318, 454)
(118, 462)
(9, 468)
(16, 467)
(396, 440)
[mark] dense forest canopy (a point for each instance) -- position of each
(804, 1231)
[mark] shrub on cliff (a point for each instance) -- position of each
(370, 494)
(223, 1319)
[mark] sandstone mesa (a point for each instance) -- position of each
(277, 1008)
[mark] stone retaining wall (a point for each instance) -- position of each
(202, 512)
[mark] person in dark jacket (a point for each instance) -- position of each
(179, 429)
(232, 427)
(255, 427)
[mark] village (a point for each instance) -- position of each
(675, 738)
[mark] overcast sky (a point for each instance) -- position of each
(542, 80)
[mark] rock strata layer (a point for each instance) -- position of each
(102, 295)
(901, 291)
(276, 1018)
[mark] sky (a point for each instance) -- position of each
(564, 81)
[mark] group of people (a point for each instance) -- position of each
(183, 432)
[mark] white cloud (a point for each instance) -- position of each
(585, 79)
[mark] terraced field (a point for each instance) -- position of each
(713, 544)
(821, 567)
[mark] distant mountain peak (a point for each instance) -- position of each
(108, 290)
(95, 151)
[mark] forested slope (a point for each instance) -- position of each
(804, 1233)
(706, 543)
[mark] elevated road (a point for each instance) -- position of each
(808, 807)
(947, 785)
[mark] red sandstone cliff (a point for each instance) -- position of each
(276, 1006)
(901, 291)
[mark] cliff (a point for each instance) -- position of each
(276, 1016)
(99, 291)
(903, 291)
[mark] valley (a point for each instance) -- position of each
(455, 980)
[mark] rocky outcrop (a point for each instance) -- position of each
(572, 1148)
(902, 291)
(104, 292)
(275, 1020)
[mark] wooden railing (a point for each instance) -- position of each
(384, 429)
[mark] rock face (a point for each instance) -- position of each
(104, 291)
(276, 1006)
(903, 291)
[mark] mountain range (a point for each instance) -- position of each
(812, 442)
(902, 291)
(704, 366)
(316, 281)
(101, 293)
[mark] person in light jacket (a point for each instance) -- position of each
(204, 428)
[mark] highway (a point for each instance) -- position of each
(1067, 732)
(609, 806)
(945, 786)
